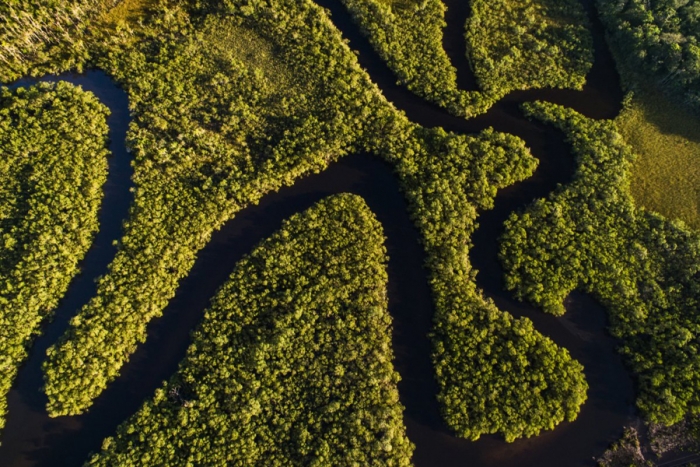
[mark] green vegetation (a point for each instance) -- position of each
(51, 36)
(645, 269)
(124, 13)
(496, 374)
(658, 40)
(292, 364)
(528, 44)
(665, 176)
(45, 36)
(52, 167)
(408, 36)
(511, 45)
(656, 47)
(286, 97)
(201, 157)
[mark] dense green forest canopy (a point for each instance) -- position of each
(285, 97)
(658, 40)
(53, 163)
(201, 157)
(39, 36)
(292, 364)
(408, 36)
(510, 45)
(589, 235)
(526, 44)
(496, 374)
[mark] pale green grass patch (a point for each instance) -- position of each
(666, 173)
(231, 41)
(125, 12)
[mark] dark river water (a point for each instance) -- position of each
(31, 438)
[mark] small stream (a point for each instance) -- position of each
(31, 438)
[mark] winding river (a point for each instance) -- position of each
(31, 438)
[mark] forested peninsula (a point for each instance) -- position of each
(644, 268)
(54, 163)
(291, 365)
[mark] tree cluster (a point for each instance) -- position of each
(53, 163)
(291, 365)
(496, 374)
(39, 36)
(645, 269)
(528, 44)
(510, 46)
(215, 127)
(408, 36)
(659, 40)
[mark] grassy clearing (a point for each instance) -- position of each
(122, 22)
(666, 173)
(228, 41)
(125, 12)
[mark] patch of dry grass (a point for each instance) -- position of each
(666, 138)
(127, 12)
(233, 41)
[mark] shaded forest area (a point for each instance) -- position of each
(658, 40)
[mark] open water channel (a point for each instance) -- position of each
(31, 438)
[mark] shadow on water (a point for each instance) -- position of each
(32, 439)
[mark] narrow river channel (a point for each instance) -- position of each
(31, 438)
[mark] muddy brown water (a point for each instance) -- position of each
(31, 438)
